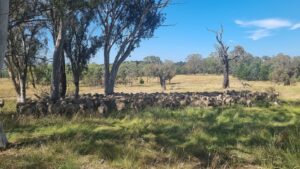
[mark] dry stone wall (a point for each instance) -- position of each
(101, 105)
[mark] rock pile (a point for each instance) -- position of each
(101, 104)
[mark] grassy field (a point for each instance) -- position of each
(225, 137)
(180, 83)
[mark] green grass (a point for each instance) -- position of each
(234, 137)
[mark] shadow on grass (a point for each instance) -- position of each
(151, 135)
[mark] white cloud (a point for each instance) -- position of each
(260, 33)
(264, 27)
(265, 23)
(296, 26)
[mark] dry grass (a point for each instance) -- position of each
(180, 83)
(200, 83)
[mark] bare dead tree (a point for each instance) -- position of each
(225, 55)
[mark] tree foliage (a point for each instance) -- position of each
(194, 63)
(25, 43)
(79, 45)
(124, 24)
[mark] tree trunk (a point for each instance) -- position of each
(22, 93)
(226, 75)
(63, 78)
(4, 10)
(110, 83)
(57, 63)
(76, 83)
(3, 139)
(108, 87)
(163, 83)
(32, 77)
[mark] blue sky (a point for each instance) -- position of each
(262, 27)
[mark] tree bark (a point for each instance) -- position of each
(3, 139)
(4, 11)
(108, 88)
(32, 77)
(63, 78)
(57, 62)
(19, 83)
(226, 75)
(76, 83)
(22, 87)
(163, 83)
(110, 83)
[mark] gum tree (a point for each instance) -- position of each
(79, 45)
(124, 24)
(24, 43)
(59, 15)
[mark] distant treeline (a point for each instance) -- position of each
(280, 69)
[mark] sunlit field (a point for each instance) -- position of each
(180, 83)
(188, 138)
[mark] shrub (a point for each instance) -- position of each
(142, 81)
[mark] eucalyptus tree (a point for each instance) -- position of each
(25, 42)
(79, 44)
(194, 63)
(226, 56)
(59, 14)
(129, 71)
(124, 24)
(212, 64)
(149, 67)
(21, 19)
(165, 71)
(284, 69)
(24, 45)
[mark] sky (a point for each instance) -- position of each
(262, 27)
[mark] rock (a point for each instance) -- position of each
(1, 103)
(90, 104)
(121, 104)
(27, 109)
(249, 103)
(54, 108)
(276, 103)
(102, 109)
(227, 100)
(184, 102)
(69, 109)
(41, 108)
